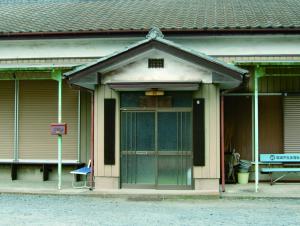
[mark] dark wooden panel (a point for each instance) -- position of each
(270, 124)
(276, 84)
(109, 131)
(198, 132)
(238, 125)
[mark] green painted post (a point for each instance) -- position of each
(256, 137)
(59, 136)
(16, 122)
(57, 75)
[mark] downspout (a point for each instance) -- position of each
(256, 136)
(59, 136)
(222, 145)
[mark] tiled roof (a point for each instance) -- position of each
(34, 16)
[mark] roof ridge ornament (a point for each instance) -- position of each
(154, 33)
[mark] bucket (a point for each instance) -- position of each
(243, 178)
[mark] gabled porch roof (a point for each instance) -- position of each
(87, 75)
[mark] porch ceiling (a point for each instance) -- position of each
(32, 71)
(167, 86)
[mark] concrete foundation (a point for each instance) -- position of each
(5, 172)
(35, 173)
(106, 183)
(211, 185)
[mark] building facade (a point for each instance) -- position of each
(155, 94)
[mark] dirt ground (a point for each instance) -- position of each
(79, 210)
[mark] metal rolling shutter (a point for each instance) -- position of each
(37, 109)
(292, 124)
(7, 102)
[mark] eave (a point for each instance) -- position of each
(143, 32)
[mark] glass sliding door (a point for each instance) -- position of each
(138, 164)
(156, 141)
(174, 149)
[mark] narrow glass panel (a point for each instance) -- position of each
(137, 131)
(128, 131)
(175, 170)
(130, 99)
(145, 131)
(128, 173)
(167, 131)
(124, 172)
(168, 170)
(186, 171)
(124, 131)
(186, 131)
(145, 172)
(181, 99)
(138, 169)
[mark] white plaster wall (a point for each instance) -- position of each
(97, 47)
(175, 70)
(53, 48)
(244, 45)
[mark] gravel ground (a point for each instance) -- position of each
(79, 210)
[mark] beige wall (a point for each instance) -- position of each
(175, 69)
(102, 170)
(212, 132)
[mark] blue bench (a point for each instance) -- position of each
(279, 159)
(85, 171)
